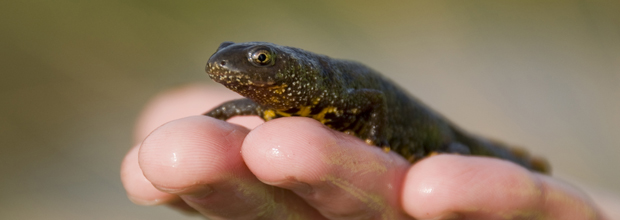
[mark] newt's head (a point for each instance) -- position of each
(245, 64)
(270, 74)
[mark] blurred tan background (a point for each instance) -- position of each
(75, 74)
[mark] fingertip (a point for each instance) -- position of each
(452, 185)
(278, 151)
(424, 189)
(140, 190)
(184, 155)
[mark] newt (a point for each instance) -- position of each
(280, 81)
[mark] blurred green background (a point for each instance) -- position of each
(75, 74)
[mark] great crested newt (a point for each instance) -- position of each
(280, 81)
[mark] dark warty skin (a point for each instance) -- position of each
(280, 81)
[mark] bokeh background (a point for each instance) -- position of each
(75, 74)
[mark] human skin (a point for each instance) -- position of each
(296, 168)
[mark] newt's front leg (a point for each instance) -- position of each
(236, 107)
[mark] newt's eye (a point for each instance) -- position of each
(262, 57)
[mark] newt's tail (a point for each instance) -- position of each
(516, 154)
(484, 147)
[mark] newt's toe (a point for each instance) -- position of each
(411, 159)
(350, 132)
(386, 149)
(434, 153)
(540, 165)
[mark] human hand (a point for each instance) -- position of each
(296, 168)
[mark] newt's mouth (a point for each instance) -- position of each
(222, 74)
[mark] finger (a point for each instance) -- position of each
(194, 99)
(338, 174)
(452, 186)
(564, 201)
(198, 158)
(138, 188)
(173, 104)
